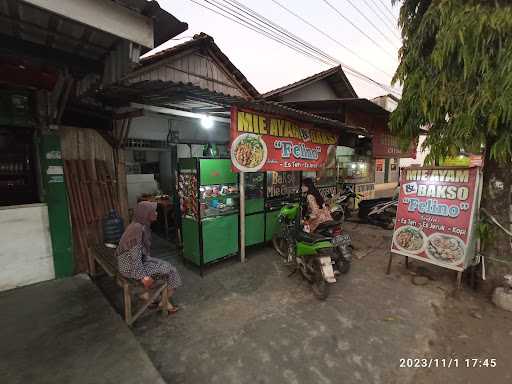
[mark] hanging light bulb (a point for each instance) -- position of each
(206, 122)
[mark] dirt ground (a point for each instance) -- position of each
(251, 323)
(467, 326)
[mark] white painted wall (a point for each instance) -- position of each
(25, 252)
(190, 130)
(320, 90)
(138, 185)
(420, 155)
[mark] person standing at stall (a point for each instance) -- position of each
(315, 210)
(133, 253)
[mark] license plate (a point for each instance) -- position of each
(343, 239)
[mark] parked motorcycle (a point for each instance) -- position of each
(342, 242)
(311, 253)
(381, 212)
(340, 204)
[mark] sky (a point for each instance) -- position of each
(269, 65)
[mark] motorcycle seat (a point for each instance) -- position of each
(328, 224)
(310, 238)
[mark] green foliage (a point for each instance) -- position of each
(456, 73)
(485, 232)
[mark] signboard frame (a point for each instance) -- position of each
(471, 242)
(287, 145)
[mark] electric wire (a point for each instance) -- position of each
(385, 22)
(268, 22)
(359, 29)
(384, 35)
(389, 19)
(325, 58)
(264, 22)
(351, 70)
(243, 23)
(331, 38)
(388, 10)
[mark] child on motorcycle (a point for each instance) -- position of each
(315, 210)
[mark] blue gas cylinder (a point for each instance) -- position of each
(113, 227)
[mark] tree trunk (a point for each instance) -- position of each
(496, 199)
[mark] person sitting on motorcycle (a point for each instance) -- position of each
(315, 209)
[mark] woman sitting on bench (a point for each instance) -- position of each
(133, 253)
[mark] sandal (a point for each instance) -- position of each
(171, 309)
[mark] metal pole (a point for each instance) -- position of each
(242, 217)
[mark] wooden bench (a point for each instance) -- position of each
(106, 258)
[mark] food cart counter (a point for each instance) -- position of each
(209, 202)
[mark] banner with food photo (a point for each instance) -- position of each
(262, 142)
(436, 214)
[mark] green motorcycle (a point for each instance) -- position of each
(311, 254)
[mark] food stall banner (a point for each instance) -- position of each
(385, 145)
(436, 215)
(263, 142)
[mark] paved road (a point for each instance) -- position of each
(64, 331)
(252, 324)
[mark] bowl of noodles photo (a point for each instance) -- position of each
(410, 239)
(445, 248)
(248, 152)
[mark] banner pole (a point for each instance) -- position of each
(242, 217)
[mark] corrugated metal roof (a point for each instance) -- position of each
(361, 104)
(192, 98)
(335, 71)
(27, 27)
(202, 40)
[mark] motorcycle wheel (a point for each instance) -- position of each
(320, 287)
(280, 245)
(343, 266)
(338, 215)
(388, 223)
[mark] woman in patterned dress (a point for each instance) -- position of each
(315, 208)
(133, 253)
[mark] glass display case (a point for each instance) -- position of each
(352, 167)
(325, 181)
(209, 202)
(17, 171)
(355, 171)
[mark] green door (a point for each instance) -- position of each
(220, 237)
(272, 225)
(254, 229)
(190, 233)
(55, 196)
(386, 171)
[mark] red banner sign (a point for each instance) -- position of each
(435, 215)
(385, 145)
(261, 142)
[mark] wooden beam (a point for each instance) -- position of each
(14, 12)
(212, 109)
(53, 27)
(129, 114)
(229, 74)
(51, 32)
(22, 48)
(84, 40)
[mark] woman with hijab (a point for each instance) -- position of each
(315, 208)
(133, 253)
